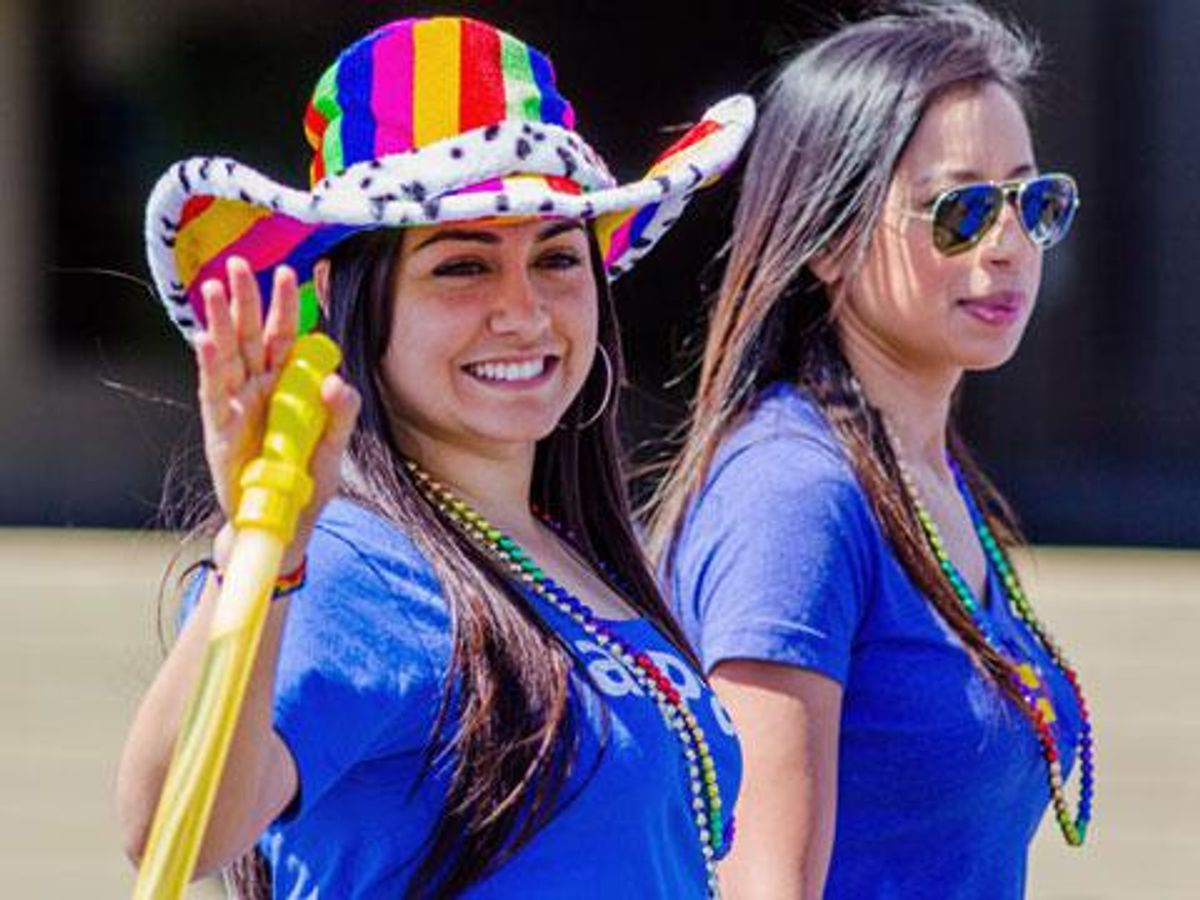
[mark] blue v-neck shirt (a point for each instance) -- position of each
(362, 666)
(941, 781)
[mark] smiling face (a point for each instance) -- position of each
(493, 332)
(945, 314)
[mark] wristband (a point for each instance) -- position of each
(290, 582)
(285, 585)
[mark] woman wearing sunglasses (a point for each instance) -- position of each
(469, 683)
(835, 553)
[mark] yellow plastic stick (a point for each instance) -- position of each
(275, 487)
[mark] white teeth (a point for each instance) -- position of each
(499, 371)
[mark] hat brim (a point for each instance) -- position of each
(206, 209)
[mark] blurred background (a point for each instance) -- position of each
(1091, 431)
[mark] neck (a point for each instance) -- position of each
(496, 481)
(914, 401)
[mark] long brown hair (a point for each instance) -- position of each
(511, 737)
(833, 127)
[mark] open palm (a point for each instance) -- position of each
(240, 358)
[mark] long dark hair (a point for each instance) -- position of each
(832, 130)
(512, 740)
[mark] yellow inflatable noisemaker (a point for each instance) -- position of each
(275, 487)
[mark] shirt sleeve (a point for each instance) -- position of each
(774, 562)
(189, 598)
(362, 661)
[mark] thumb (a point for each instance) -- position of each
(342, 403)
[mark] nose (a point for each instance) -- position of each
(1007, 239)
(517, 307)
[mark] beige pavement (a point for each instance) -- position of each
(79, 644)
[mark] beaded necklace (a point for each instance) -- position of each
(1032, 690)
(714, 831)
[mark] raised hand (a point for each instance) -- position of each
(240, 358)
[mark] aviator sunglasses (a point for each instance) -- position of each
(1045, 207)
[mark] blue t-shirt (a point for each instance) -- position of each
(363, 661)
(941, 781)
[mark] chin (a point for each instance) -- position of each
(984, 359)
(516, 428)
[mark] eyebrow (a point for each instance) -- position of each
(553, 230)
(964, 176)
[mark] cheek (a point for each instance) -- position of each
(586, 324)
(424, 342)
(937, 278)
(402, 365)
(577, 320)
(1035, 274)
(902, 280)
(438, 324)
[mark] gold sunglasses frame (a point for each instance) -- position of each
(1010, 192)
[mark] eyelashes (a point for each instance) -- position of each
(560, 259)
(552, 260)
(463, 268)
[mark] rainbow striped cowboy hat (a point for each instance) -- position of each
(422, 121)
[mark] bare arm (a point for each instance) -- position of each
(788, 721)
(239, 358)
(260, 776)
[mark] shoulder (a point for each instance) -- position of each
(370, 595)
(783, 463)
(348, 532)
(780, 510)
(778, 556)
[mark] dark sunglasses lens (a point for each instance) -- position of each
(963, 215)
(1047, 208)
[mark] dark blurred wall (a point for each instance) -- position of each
(1090, 429)
(1093, 429)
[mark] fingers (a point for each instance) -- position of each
(247, 314)
(283, 317)
(213, 392)
(216, 314)
(217, 361)
(239, 358)
(342, 402)
(244, 344)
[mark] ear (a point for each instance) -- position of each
(321, 283)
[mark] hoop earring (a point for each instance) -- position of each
(608, 390)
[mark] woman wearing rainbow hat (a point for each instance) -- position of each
(421, 721)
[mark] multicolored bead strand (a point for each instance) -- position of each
(1075, 829)
(714, 831)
